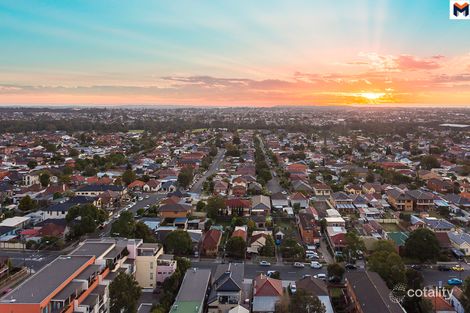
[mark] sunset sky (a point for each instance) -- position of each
(339, 52)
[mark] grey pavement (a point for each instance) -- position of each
(213, 168)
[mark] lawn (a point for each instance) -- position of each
(390, 227)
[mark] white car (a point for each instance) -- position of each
(299, 265)
(264, 263)
(147, 196)
(316, 265)
(320, 276)
(293, 288)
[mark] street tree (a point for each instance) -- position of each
(124, 294)
(422, 245)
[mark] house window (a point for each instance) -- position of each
(151, 276)
(151, 264)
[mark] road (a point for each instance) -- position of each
(272, 185)
(288, 272)
(433, 276)
(215, 166)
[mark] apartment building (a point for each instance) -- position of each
(146, 264)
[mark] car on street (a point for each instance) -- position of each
(316, 265)
(350, 266)
(292, 287)
(443, 268)
(320, 276)
(147, 196)
(416, 267)
(454, 282)
(272, 273)
(299, 265)
(457, 268)
(264, 263)
(141, 198)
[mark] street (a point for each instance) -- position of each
(273, 184)
(288, 272)
(215, 166)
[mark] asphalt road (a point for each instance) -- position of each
(272, 185)
(288, 272)
(215, 166)
(433, 276)
(34, 260)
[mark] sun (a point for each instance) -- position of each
(372, 95)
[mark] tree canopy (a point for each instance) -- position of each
(422, 245)
(236, 247)
(178, 242)
(124, 294)
(387, 263)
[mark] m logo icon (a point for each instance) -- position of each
(459, 10)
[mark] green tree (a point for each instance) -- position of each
(84, 219)
(178, 242)
(335, 270)
(44, 179)
(143, 232)
(214, 204)
(26, 204)
(200, 206)
(124, 294)
(185, 177)
(236, 247)
(32, 164)
(354, 245)
(429, 162)
(302, 302)
(291, 249)
(124, 226)
(128, 176)
(422, 245)
(387, 263)
(269, 249)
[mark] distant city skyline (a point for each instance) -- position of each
(244, 53)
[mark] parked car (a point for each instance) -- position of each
(350, 266)
(457, 268)
(416, 267)
(443, 268)
(454, 282)
(299, 265)
(320, 276)
(316, 265)
(292, 288)
(264, 263)
(334, 279)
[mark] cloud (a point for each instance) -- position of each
(409, 62)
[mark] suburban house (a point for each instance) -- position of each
(460, 241)
(227, 288)
(279, 200)
(260, 205)
(210, 243)
(399, 200)
(266, 293)
(96, 190)
(308, 229)
(174, 210)
(368, 293)
(299, 199)
(317, 288)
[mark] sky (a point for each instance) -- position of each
(233, 53)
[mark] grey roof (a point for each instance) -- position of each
(194, 285)
(47, 281)
(264, 304)
(100, 188)
(459, 238)
(67, 291)
(228, 278)
(372, 293)
(93, 248)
